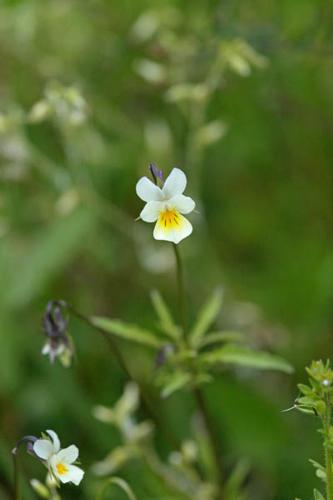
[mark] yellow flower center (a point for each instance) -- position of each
(61, 468)
(170, 219)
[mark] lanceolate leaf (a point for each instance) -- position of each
(218, 337)
(244, 356)
(127, 331)
(177, 381)
(166, 322)
(317, 495)
(206, 317)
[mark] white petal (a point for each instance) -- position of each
(147, 190)
(151, 211)
(43, 448)
(184, 204)
(174, 184)
(175, 234)
(56, 443)
(75, 474)
(68, 455)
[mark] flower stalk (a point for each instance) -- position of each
(196, 391)
(17, 495)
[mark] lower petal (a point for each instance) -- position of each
(175, 232)
(75, 474)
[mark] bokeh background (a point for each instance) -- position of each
(92, 92)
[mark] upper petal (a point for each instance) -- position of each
(68, 455)
(175, 183)
(184, 204)
(55, 439)
(147, 190)
(43, 448)
(151, 211)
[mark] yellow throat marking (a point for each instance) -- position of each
(61, 468)
(170, 219)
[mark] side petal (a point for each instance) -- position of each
(151, 211)
(75, 474)
(56, 442)
(43, 448)
(174, 234)
(147, 190)
(68, 455)
(175, 183)
(184, 204)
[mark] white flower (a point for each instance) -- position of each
(59, 461)
(166, 205)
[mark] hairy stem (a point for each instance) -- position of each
(328, 452)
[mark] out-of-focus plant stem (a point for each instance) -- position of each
(197, 393)
(112, 345)
(328, 452)
(118, 355)
(17, 495)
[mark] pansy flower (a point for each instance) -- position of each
(166, 205)
(59, 461)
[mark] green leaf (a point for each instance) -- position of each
(177, 381)
(245, 356)
(126, 331)
(317, 495)
(206, 317)
(216, 337)
(167, 324)
(121, 483)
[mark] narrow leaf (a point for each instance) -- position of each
(126, 331)
(206, 317)
(166, 321)
(244, 356)
(217, 337)
(177, 381)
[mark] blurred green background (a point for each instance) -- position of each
(261, 174)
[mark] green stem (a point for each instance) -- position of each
(17, 495)
(118, 355)
(197, 394)
(181, 289)
(110, 342)
(328, 452)
(117, 481)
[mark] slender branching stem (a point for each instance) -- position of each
(328, 452)
(118, 355)
(197, 393)
(17, 495)
(107, 337)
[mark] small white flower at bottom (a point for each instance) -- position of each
(59, 461)
(166, 206)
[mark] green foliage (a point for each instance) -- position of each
(126, 331)
(90, 94)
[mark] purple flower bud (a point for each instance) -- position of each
(28, 441)
(55, 324)
(156, 173)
